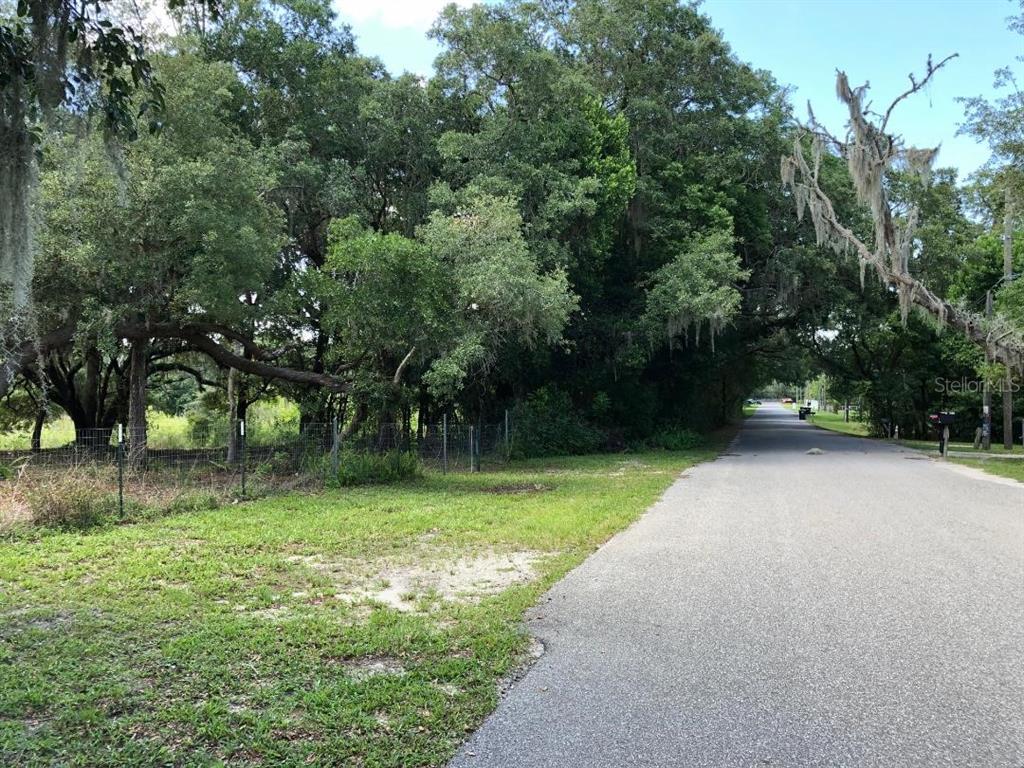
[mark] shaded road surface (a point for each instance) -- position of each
(858, 608)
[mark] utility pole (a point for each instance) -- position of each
(1008, 277)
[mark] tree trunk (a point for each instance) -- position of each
(1008, 277)
(37, 431)
(423, 416)
(137, 428)
(636, 222)
(93, 438)
(17, 182)
(986, 395)
(358, 417)
(232, 415)
(406, 426)
(1008, 412)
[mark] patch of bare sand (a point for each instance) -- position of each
(405, 586)
(518, 488)
(634, 467)
(373, 666)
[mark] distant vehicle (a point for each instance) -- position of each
(788, 401)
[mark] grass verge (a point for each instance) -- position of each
(1001, 467)
(933, 445)
(837, 423)
(362, 627)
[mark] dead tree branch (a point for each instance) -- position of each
(871, 153)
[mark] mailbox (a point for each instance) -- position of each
(942, 421)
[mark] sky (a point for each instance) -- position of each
(802, 43)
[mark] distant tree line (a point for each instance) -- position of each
(579, 213)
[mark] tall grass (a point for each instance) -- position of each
(268, 422)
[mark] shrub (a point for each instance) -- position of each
(6, 472)
(547, 424)
(193, 501)
(676, 439)
(356, 468)
(72, 502)
(277, 463)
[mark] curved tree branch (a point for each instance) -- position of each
(916, 85)
(23, 355)
(195, 373)
(397, 379)
(195, 335)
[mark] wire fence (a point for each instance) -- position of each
(211, 455)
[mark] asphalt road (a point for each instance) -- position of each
(862, 607)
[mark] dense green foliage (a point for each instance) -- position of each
(578, 216)
(547, 424)
(359, 468)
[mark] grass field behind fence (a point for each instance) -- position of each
(294, 630)
(271, 418)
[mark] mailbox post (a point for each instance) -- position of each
(942, 421)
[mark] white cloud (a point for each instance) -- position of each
(394, 14)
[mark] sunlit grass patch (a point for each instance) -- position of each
(837, 423)
(1013, 469)
(367, 625)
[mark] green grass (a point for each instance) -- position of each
(749, 410)
(55, 434)
(1001, 467)
(837, 423)
(267, 421)
(228, 636)
(933, 445)
(165, 431)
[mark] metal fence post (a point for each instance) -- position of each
(241, 449)
(470, 447)
(120, 469)
(444, 443)
(335, 447)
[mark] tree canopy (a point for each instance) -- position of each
(583, 201)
